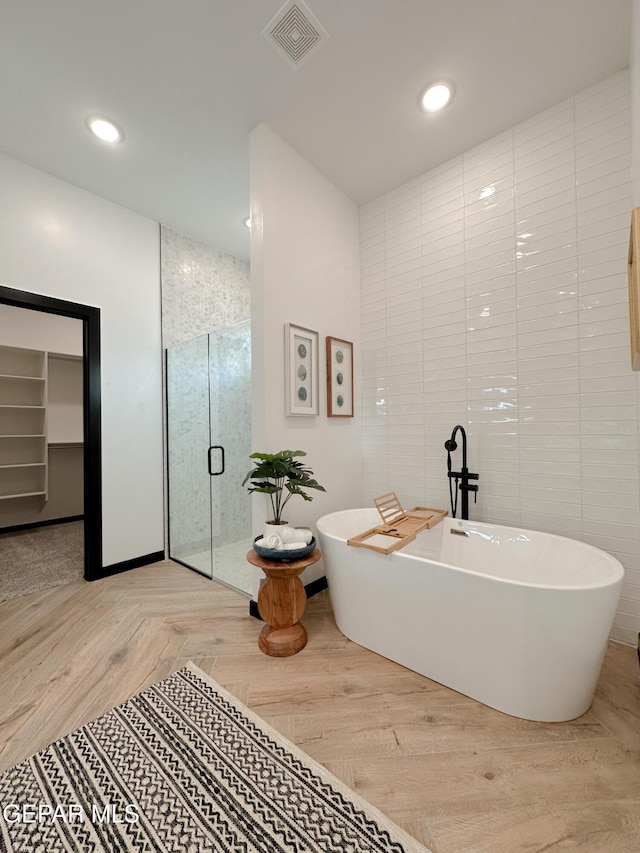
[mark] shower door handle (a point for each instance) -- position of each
(221, 449)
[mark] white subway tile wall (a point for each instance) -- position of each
(494, 295)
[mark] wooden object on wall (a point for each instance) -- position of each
(339, 378)
(634, 288)
(281, 603)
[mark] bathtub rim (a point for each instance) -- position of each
(574, 587)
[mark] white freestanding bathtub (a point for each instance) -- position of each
(516, 619)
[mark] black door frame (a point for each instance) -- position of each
(90, 316)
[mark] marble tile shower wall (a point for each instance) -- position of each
(206, 290)
(203, 289)
(494, 294)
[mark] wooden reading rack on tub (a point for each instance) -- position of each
(398, 527)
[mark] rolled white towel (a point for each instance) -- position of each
(274, 542)
(296, 534)
(294, 546)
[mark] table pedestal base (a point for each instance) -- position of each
(282, 642)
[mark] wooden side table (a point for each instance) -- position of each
(281, 602)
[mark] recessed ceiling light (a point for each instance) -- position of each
(247, 222)
(436, 96)
(105, 129)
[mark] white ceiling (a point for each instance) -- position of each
(189, 79)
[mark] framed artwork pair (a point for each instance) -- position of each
(302, 393)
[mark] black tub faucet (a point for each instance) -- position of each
(461, 477)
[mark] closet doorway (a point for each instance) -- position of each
(50, 425)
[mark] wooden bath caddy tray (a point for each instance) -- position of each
(399, 527)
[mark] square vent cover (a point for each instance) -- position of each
(295, 32)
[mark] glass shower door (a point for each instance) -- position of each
(190, 521)
(209, 438)
(230, 418)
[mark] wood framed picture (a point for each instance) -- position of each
(339, 378)
(634, 288)
(301, 370)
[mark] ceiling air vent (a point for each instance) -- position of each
(295, 32)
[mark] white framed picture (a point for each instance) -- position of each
(301, 370)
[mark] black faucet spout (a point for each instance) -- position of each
(462, 431)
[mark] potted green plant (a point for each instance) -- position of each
(281, 476)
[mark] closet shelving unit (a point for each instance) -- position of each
(23, 423)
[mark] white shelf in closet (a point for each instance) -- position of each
(23, 423)
(22, 495)
(24, 465)
(16, 479)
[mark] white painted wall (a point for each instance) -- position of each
(304, 270)
(494, 294)
(64, 400)
(63, 242)
(22, 327)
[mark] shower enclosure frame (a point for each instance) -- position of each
(208, 379)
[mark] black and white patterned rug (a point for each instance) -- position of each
(184, 766)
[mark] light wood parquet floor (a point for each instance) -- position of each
(460, 777)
